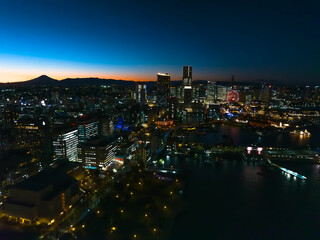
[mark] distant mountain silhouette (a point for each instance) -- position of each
(44, 80)
(94, 81)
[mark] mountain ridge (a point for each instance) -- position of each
(45, 80)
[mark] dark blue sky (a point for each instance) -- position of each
(254, 40)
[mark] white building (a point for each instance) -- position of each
(65, 145)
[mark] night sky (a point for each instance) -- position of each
(254, 40)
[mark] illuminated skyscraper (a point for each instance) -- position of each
(187, 84)
(211, 92)
(187, 76)
(140, 94)
(65, 145)
(163, 88)
(222, 93)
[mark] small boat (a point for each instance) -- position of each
(260, 133)
(301, 133)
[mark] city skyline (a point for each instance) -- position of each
(256, 41)
(159, 120)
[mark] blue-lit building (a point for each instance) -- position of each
(120, 126)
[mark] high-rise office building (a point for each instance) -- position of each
(187, 84)
(266, 95)
(199, 93)
(187, 76)
(31, 134)
(87, 129)
(180, 93)
(222, 93)
(211, 93)
(163, 88)
(173, 91)
(173, 108)
(65, 144)
(97, 153)
(140, 94)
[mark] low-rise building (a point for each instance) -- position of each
(41, 198)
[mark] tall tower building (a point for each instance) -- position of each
(266, 95)
(187, 84)
(140, 93)
(187, 76)
(163, 88)
(211, 92)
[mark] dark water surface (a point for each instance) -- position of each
(231, 201)
(243, 138)
(239, 200)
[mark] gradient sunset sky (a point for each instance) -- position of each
(254, 40)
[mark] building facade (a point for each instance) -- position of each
(163, 88)
(88, 130)
(65, 145)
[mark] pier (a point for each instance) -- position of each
(290, 172)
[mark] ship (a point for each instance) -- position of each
(301, 133)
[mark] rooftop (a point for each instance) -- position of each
(100, 141)
(53, 176)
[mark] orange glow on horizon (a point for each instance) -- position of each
(15, 68)
(6, 77)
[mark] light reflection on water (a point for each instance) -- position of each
(232, 198)
(244, 138)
